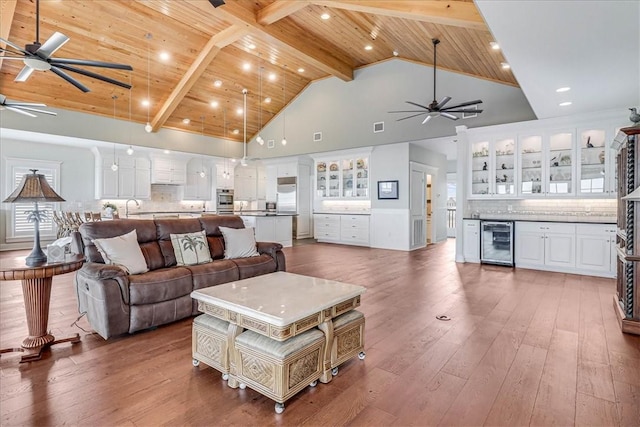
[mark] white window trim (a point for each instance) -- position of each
(10, 164)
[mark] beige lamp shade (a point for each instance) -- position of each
(634, 196)
(33, 188)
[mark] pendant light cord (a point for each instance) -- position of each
(284, 105)
(244, 124)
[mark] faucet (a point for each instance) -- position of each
(126, 207)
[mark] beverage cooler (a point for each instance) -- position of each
(496, 242)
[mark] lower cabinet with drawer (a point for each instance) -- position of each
(566, 247)
(346, 229)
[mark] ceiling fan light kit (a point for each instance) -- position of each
(436, 108)
(39, 57)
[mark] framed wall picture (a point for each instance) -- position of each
(387, 190)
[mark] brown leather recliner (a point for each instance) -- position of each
(117, 303)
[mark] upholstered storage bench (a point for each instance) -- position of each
(209, 343)
(279, 369)
(348, 338)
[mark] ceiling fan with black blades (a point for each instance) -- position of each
(38, 57)
(26, 108)
(438, 108)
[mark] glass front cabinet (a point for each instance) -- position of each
(598, 163)
(342, 178)
(493, 166)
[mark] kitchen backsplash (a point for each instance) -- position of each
(539, 207)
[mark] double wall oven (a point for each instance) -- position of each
(224, 201)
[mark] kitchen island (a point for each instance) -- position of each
(270, 226)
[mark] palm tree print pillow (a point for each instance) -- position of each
(191, 248)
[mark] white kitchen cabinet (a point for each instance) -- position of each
(345, 229)
(245, 183)
(326, 228)
(271, 228)
(271, 183)
(287, 169)
(471, 240)
(130, 180)
(168, 170)
(197, 187)
(344, 176)
(547, 164)
(596, 171)
(224, 177)
(261, 189)
(493, 168)
(596, 248)
(545, 245)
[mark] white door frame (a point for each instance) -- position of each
(421, 212)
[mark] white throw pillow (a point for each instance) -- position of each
(123, 251)
(191, 248)
(239, 242)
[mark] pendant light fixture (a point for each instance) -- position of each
(225, 174)
(130, 149)
(202, 172)
(114, 166)
(148, 128)
(259, 137)
(284, 105)
(243, 162)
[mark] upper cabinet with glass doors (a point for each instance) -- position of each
(596, 170)
(546, 164)
(493, 166)
(342, 178)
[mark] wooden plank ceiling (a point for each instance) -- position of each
(279, 39)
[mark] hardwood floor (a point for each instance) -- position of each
(522, 347)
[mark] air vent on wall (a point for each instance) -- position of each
(470, 115)
(271, 143)
(378, 127)
(317, 136)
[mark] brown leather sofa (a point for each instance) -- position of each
(117, 303)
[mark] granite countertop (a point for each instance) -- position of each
(589, 219)
(342, 212)
(167, 212)
(263, 213)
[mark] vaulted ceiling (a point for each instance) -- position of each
(287, 43)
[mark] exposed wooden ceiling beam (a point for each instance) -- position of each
(288, 37)
(279, 9)
(202, 61)
(7, 10)
(455, 13)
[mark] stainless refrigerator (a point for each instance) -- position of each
(286, 201)
(287, 195)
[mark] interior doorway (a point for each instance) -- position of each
(429, 208)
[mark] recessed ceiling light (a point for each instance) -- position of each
(186, 121)
(563, 89)
(215, 104)
(505, 66)
(145, 103)
(272, 76)
(325, 16)
(236, 131)
(267, 100)
(239, 111)
(164, 56)
(565, 104)
(494, 45)
(396, 53)
(217, 83)
(301, 70)
(368, 47)
(251, 46)
(246, 66)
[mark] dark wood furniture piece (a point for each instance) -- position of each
(627, 298)
(36, 291)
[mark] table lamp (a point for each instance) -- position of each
(34, 188)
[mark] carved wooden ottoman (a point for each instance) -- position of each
(348, 338)
(209, 343)
(279, 369)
